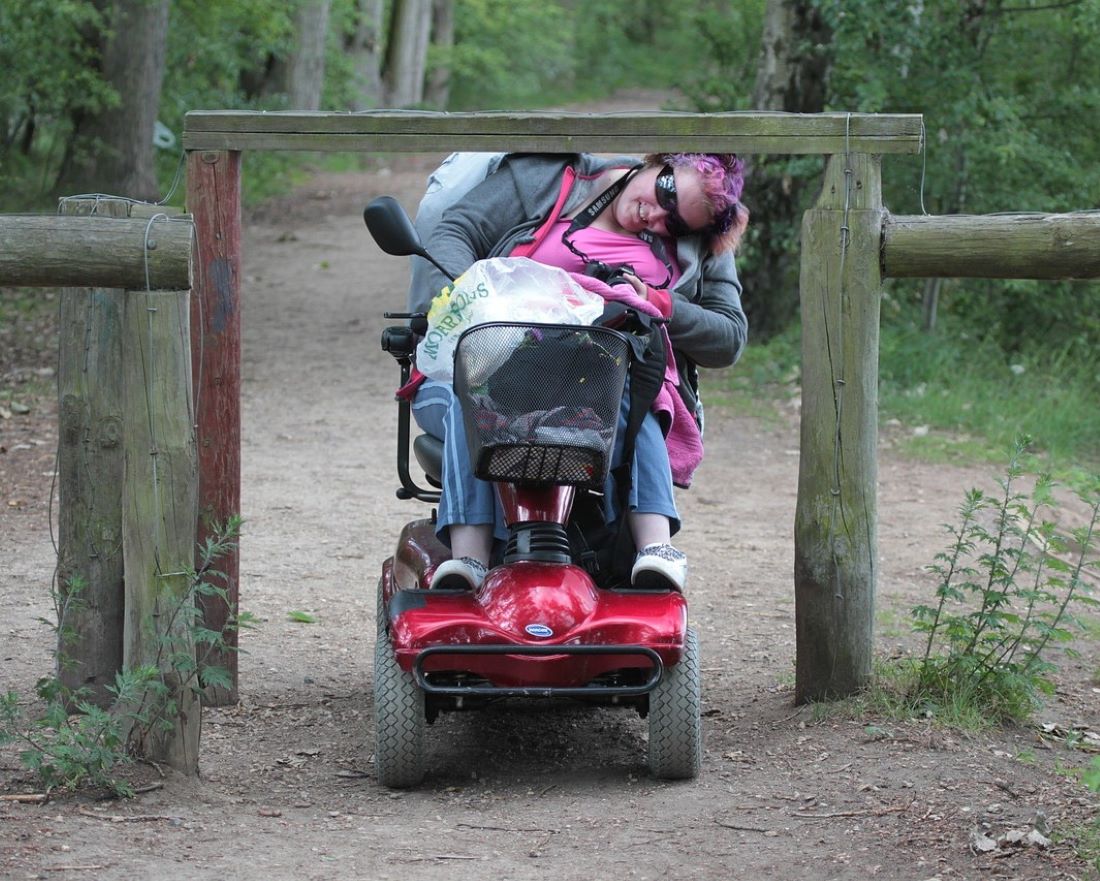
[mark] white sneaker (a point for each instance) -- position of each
(659, 567)
(465, 573)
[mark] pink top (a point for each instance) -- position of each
(661, 298)
(608, 247)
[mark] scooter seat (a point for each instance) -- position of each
(428, 450)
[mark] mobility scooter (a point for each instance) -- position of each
(540, 405)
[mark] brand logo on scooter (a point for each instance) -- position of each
(540, 631)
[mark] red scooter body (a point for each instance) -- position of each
(529, 605)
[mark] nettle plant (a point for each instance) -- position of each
(1011, 585)
(73, 743)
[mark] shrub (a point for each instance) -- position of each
(1009, 585)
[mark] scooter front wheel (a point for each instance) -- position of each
(399, 721)
(675, 723)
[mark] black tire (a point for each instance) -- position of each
(675, 721)
(399, 721)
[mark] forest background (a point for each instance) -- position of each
(94, 93)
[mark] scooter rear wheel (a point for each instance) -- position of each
(675, 723)
(399, 721)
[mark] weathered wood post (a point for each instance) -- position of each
(214, 200)
(159, 503)
(90, 467)
(835, 520)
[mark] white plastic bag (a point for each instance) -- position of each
(501, 289)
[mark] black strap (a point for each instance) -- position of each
(596, 207)
(647, 374)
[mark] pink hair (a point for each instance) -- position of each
(723, 180)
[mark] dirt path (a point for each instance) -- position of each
(529, 792)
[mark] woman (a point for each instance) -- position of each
(672, 222)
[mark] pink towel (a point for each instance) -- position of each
(682, 437)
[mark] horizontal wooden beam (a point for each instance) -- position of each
(425, 131)
(45, 250)
(1050, 246)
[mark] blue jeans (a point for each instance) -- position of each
(467, 500)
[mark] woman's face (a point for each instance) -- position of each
(638, 207)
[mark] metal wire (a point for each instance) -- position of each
(923, 164)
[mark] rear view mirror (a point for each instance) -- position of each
(391, 228)
(395, 234)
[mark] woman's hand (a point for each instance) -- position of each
(639, 286)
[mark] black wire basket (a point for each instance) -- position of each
(540, 402)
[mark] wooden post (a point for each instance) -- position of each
(159, 501)
(835, 521)
(90, 467)
(214, 201)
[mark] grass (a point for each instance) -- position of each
(1086, 842)
(980, 399)
(28, 343)
(765, 375)
(25, 303)
(887, 699)
(890, 622)
(968, 399)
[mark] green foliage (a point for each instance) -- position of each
(1091, 776)
(48, 63)
(527, 53)
(1009, 94)
(73, 743)
(975, 397)
(63, 751)
(1007, 108)
(1009, 583)
(213, 51)
(1087, 838)
(50, 73)
(341, 88)
(212, 46)
(508, 52)
(720, 54)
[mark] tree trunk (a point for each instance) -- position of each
(365, 49)
(407, 52)
(112, 151)
(791, 77)
(438, 92)
(306, 66)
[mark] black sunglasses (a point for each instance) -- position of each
(665, 191)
